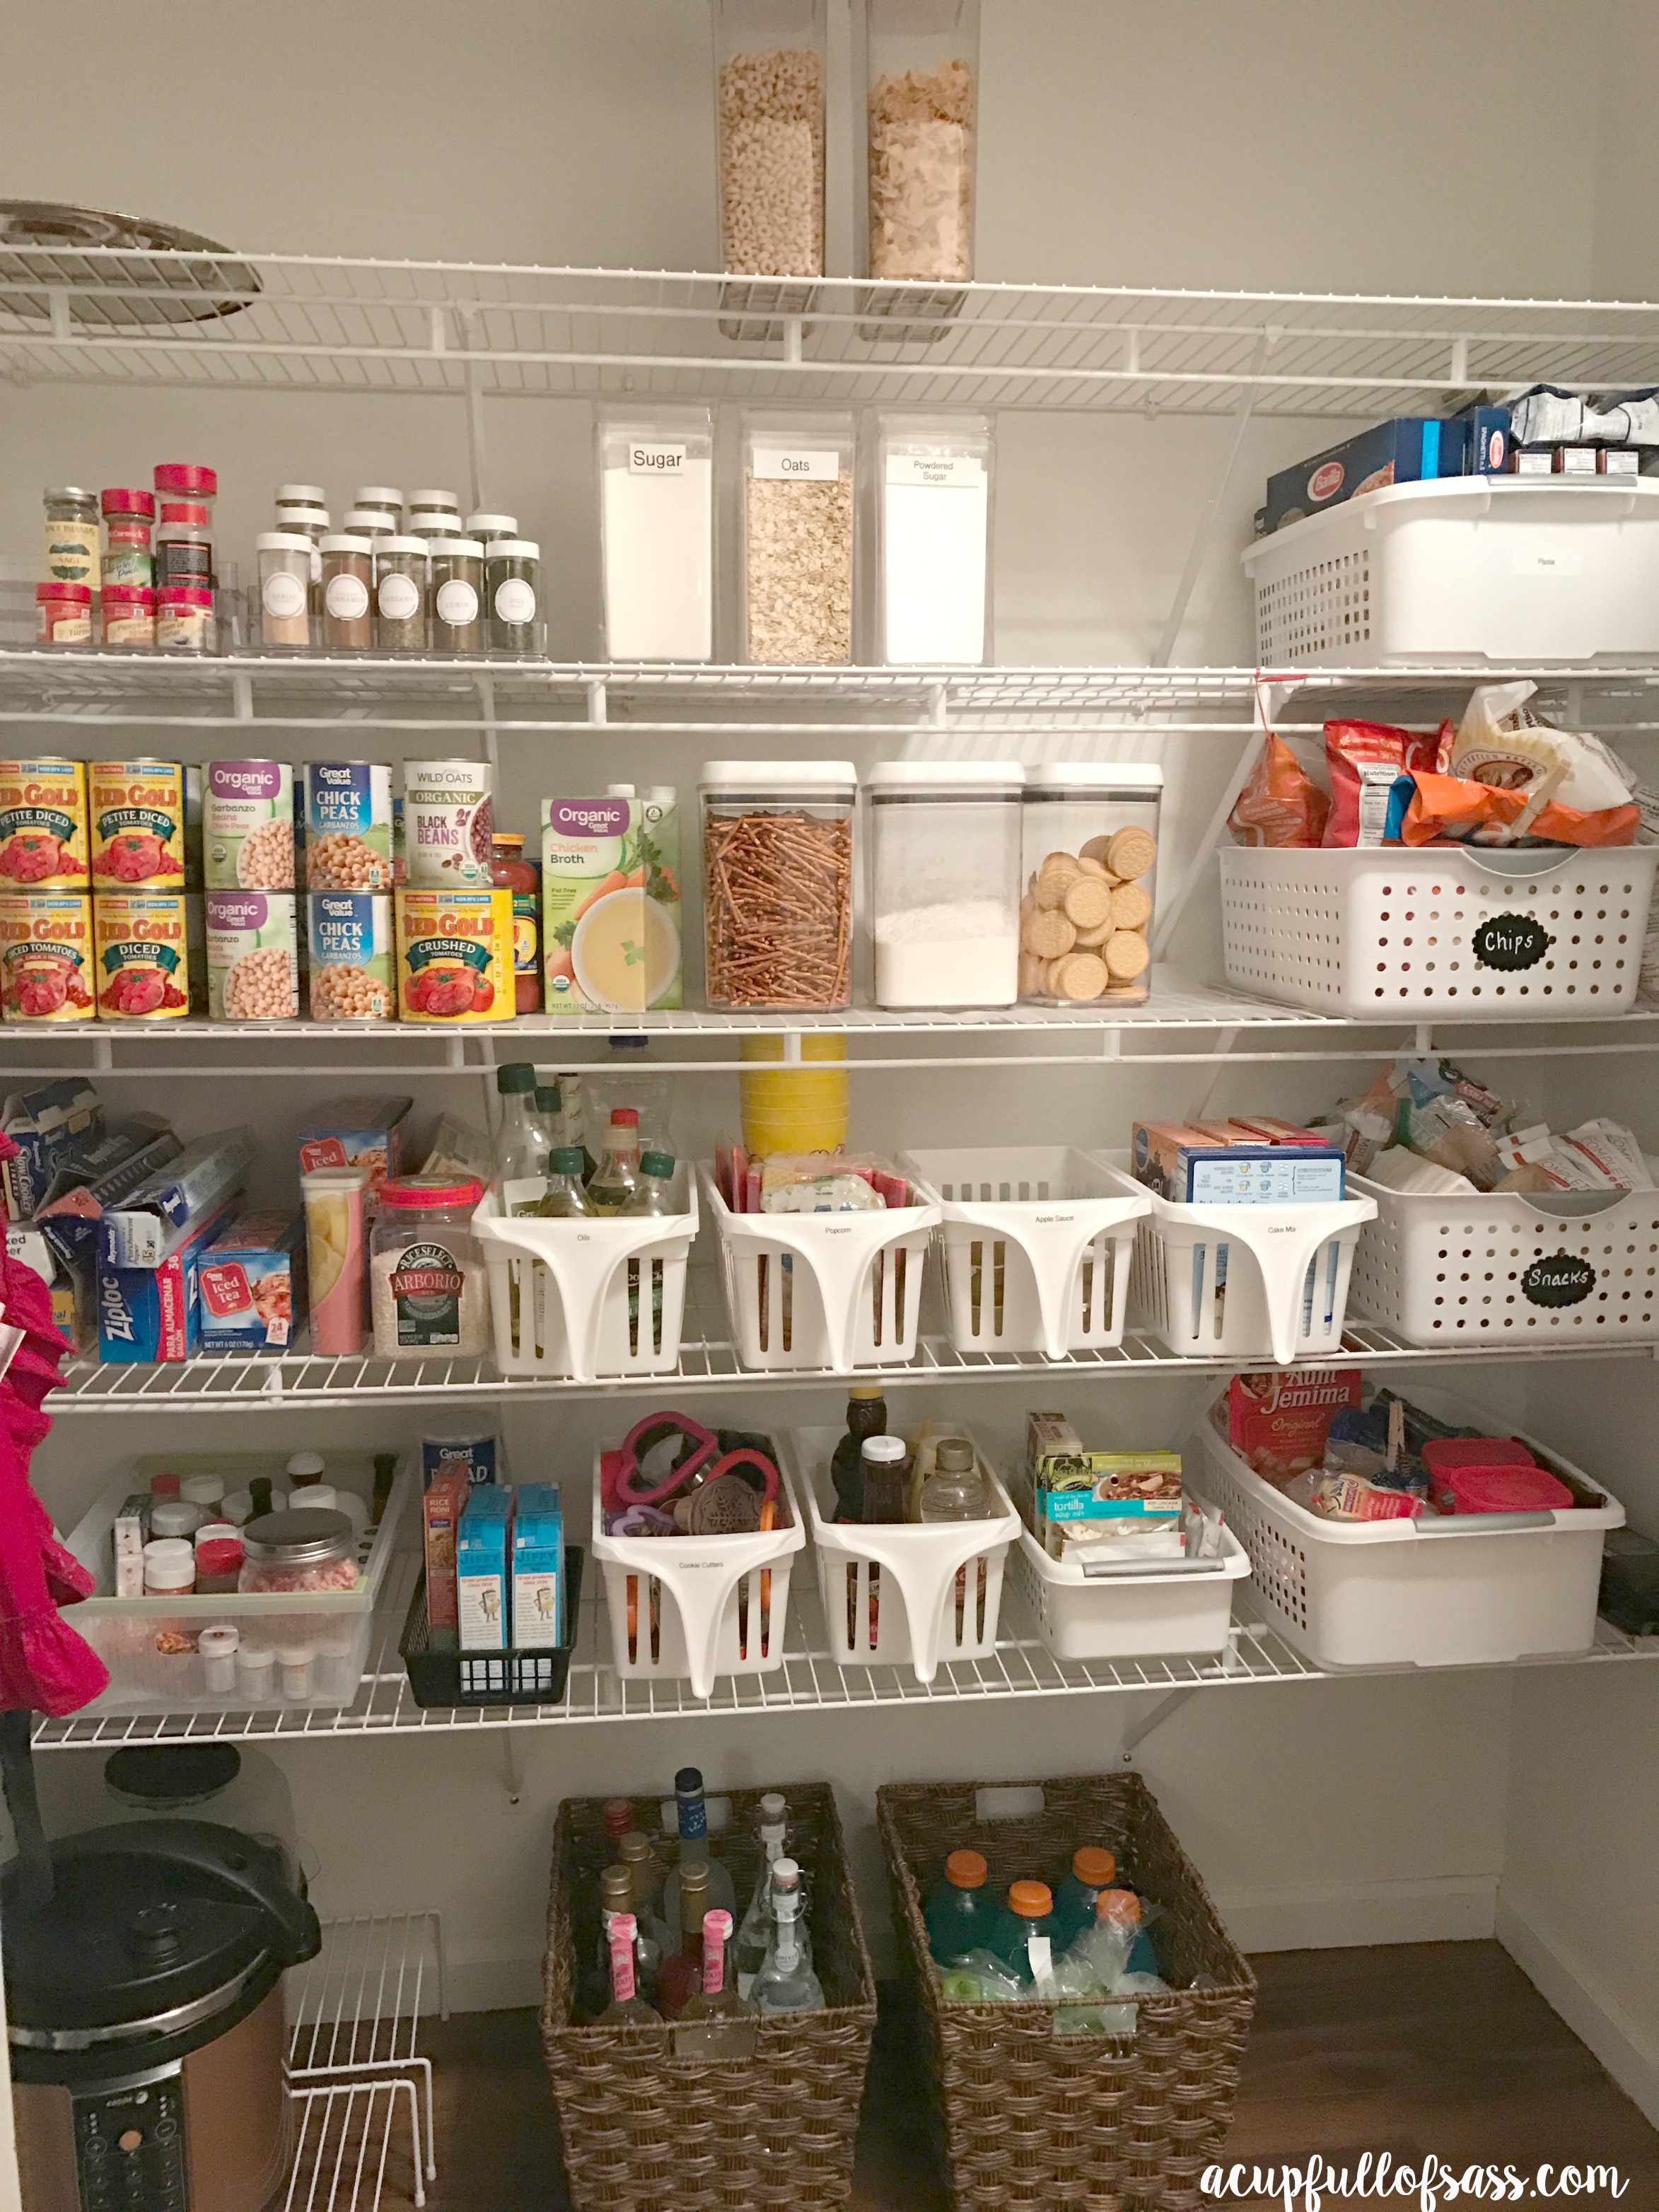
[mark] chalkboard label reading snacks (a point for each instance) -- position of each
(1510, 941)
(1561, 1279)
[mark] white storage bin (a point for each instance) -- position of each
(1445, 1590)
(1511, 1266)
(602, 1296)
(1510, 570)
(688, 1609)
(1128, 1616)
(149, 1644)
(1245, 1282)
(1034, 1241)
(1418, 931)
(922, 1615)
(838, 1290)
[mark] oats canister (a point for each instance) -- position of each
(45, 957)
(350, 939)
(141, 943)
(252, 957)
(348, 826)
(247, 826)
(448, 825)
(136, 810)
(43, 825)
(455, 956)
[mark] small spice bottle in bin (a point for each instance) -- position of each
(1089, 835)
(777, 857)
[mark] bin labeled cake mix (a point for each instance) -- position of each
(45, 957)
(43, 825)
(141, 942)
(454, 955)
(137, 819)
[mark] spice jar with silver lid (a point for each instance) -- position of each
(400, 595)
(513, 594)
(301, 1548)
(348, 577)
(457, 573)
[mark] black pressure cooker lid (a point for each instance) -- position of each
(146, 1918)
(162, 1774)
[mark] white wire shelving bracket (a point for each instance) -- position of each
(344, 2153)
(356, 2010)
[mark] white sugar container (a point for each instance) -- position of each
(656, 533)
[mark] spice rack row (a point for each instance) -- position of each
(291, 322)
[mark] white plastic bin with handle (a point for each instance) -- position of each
(835, 1291)
(579, 1299)
(1034, 1241)
(1244, 1282)
(932, 1591)
(691, 1609)
(1187, 1609)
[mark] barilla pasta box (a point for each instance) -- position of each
(483, 1546)
(357, 1132)
(148, 1314)
(1412, 449)
(537, 1566)
(251, 1282)
(610, 905)
(1279, 1421)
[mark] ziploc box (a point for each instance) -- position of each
(147, 1314)
(357, 1132)
(250, 1281)
(483, 1544)
(537, 1566)
(610, 905)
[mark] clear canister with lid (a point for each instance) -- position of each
(184, 541)
(656, 532)
(920, 72)
(285, 557)
(512, 595)
(72, 552)
(1089, 859)
(300, 1548)
(798, 539)
(348, 580)
(457, 573)
(946, 857)
(400, 595)
(777, 852)
(426, 1269)
(129, 518)
(769, 78)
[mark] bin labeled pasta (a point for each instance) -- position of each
(1091, 853)
(352, 964)
(45, 957)
(43, 825)
(769, 97)
(454, 955)
(141, 942)
(777, 852)
(252, 957)
(798, 540)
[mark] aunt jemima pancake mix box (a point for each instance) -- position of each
(1279, 1422)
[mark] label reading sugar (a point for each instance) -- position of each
(817, 468)
(655, 460)
(937, 471)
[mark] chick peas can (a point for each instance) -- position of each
(353, 969)
(140, 947)
(348, 816)
(43, 825)
(252, 957)
(137, 810)
(455, 956)
(45, 957)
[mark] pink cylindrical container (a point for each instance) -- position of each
(337, 1255)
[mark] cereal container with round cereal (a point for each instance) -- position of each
(141, 942)
(247, 826)
(137, 810)
(777, 855)
(1089, 835)
(454, 955)
(348, 826)
(350, 937)
(252, 958)
(448, 822)
(43, 825)
(45, 957)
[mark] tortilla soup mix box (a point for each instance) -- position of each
(1279, 1421)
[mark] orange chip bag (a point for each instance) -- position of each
(1281, 805)
(1452, 806)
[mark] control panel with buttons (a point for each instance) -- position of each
(130, 2149)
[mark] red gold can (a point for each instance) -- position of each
(45, 957)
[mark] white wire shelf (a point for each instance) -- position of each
(356, 2010)
(108, 315)
(349, 2152)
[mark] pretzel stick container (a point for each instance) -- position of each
(1088, 855)
(777, 884)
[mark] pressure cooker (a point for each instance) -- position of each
(144, 2011)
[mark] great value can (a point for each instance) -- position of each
(348, 818)
(252, 957)
(448, 820)
(43, 825)
(141, 943)
(455, 956)
(45, 957)
(137, 822)
(350, 938)
(247, 826)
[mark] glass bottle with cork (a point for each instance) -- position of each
(786, 1983)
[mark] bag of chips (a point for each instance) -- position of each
(1366, 759)
(1282, 803)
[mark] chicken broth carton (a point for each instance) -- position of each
(610, 903)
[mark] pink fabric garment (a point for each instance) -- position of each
(45, 1666)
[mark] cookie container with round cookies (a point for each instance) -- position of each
(946, 877)
(1090, 832)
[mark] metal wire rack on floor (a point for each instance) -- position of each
(348, 2155)
(360, 2001)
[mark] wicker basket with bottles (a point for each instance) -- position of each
(756, 2116)
(1034, 2117)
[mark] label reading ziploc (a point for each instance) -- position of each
(43, 825)
(45, 957)
(937, 471)
(138, 810)
(812, 468)
(650, 459)
(143, 963)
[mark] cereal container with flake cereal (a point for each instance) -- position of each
(350, 937)
(777, 904)
(348, 826)
(252, 958)
(247, 826)
(43, 825)
(137, 822)
(1089, 837)
(45, 957)
(454, 955)
(141, 942)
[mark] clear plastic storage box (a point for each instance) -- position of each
(945, 875)
(777, 883)
(934, 499)
(770, 75)
(656, 532)
(798, 540)
(916, 156)
(1091, 838)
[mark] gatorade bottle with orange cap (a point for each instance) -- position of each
(958, 1913)
(1121, 1908)
(1029, 1912)
(1092, 1870)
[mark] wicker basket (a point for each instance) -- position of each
(1096, 2122)
(718, 2119)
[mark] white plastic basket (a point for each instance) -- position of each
(693, 1607)
(1444, 1590)
(1034, 1241)
(579, 1299)
(1512, 1266)
(1470, 569)
(835, 1291)
(1127, 1616)
(1442, 929)
(938, 1590)
(1246, 1282)
(149, 1644)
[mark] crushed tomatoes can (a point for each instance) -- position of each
(454, 955)
(43, 825)
(137, 810)
(142, 944)
(45, 957)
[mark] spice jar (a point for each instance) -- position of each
(400, 595)
(72, 553)
(456, 575)
(946, 856)
(217, 1648)
(285, 557)
(489, 527)
(63, 614)
(426, 527)
(511, 871)
(169, 1567)
(299, 1549)
(513, 592)
(436, 506)
(311, 522)
(798, 540)
(777, 849)
(184, 546)
(384, 499)
(184, 619)
(373, 523)
(287, 495)
(348, 573)
(1089, 845)
(128, 517)
(426, 1269)
(129, 616)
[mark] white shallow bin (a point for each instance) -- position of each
(1247, 1282)
(601, 1297)
(1504, 569)
(922, 1613)
(1034, 1241)
(1485, 934)
(720, 1602)
(1127, 1616)
(1441, 1591)
(1511, 1267)
(149, 1644)
(836, 1290)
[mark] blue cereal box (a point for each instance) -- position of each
(250, 1281)
(482, 1547)
(537, 1566)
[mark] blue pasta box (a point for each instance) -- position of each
(537, 1566)
(251, 1281)
(47, 1125)
(1411, 449)
(482, 1543)
(147, 1314)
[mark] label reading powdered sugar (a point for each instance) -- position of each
(938, 472)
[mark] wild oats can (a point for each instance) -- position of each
(448, 823)
(252, 957)
(141, 943)
(353, 977)
(455, 956)
(137, 814)
(247, 826)
(45, 957)
(348, 826)
(43, 825)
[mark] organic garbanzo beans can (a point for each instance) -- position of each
(137, 822)
(43, 825)
(455, 956)
(45, 957)
(141, 943)
(252, 957)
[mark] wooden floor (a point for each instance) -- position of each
(1434, 2047)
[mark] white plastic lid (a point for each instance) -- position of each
(202, 1489)
(372, 518)
(438, 525)
(301, 496)
(321, 1498)
(294, 1655)
(255, 1657)
(167, 1551)
(401, 545)
(1094, 775)
(499, 526)
(306, 1463)
(347, 545)
(281, 541)
(455, 549)
(445, 502)
(378, 495)
(304, 518)
(884, 1450)
(219, 1641)
(518, 548)
(620, 791)
(946, 776)
(786, 776)
(209, 1529)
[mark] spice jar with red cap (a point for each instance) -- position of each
(63, 614)
(184, 541)
(129, 616)
(129, 518)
